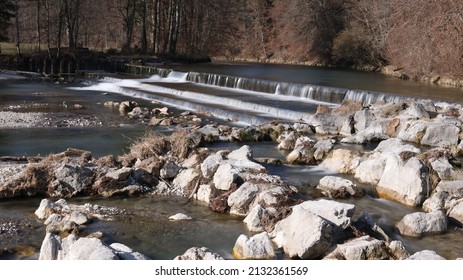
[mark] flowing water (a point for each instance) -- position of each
(250, 93)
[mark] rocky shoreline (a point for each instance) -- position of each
(417, 162)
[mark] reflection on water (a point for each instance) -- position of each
(149, 231)
(112, 137)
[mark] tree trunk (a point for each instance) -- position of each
(38, 26)
(143, 40)
(155, 25)
(174, 28)
(18, 42)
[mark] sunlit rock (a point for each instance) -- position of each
(426, 255)
(196, 253)
(406, 182)
(257, 247)
(361, 248)
(419, 224)
(210, 164)
(303, 234)
(225, 176)
(337, 187)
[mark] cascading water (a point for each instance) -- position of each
(250, 100)
(309, 92)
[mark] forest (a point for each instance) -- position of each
(424, 37)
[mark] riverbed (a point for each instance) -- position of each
(149, 231)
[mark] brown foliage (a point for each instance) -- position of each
(33, 181)
(427, 36)
(154, 145)
(219, 202)
(423, 37)
(150, 145)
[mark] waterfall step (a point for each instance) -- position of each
(244, 107)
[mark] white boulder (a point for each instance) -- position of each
(257, 247)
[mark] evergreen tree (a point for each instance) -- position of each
(7, 9)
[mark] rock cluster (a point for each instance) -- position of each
(236, 183)
(64, 241)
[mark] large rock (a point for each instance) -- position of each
(338, 187)
(441, 135)
(210, 165)
(247, 165)
(446, 195)
(46, 208)
(204, 193)
(322, 148)
(121, 174)
(372, 168)
(413, 131)
(240, 200)
(196, 253)
(406, 182)
(398, 250)
(124, 252)
(327, 123)
(363, 119)
(90, 249)
(245, 152)
(287, 142)
(73, 248)
(426, 255)
(361, 248)
(50, 247)
(443, 168)
(185, 181)
(336, 213)
(274, 196)
(342, 161)
(395, 146)
(456, 213)
(419, 224)
(416, 110)
(254, 219)
(453, 188)
(225, 176)
(303, 234)
(257, 247)
(169, 170)
(71, 180)
(370, 171)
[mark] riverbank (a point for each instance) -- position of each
(387, 70)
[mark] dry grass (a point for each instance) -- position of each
(152, 144)
(180, 143)
(34, 180)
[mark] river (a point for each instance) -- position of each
(249, 93)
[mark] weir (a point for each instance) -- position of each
(309, 92)
(247, 108)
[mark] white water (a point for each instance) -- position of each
(309, 92)
(250, 100)
(225, 107)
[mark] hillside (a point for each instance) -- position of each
(418, 39)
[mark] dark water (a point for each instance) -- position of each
(149, 231)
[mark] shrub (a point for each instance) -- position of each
(353, 48)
